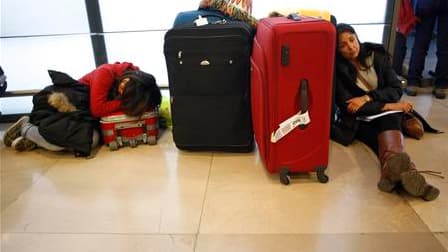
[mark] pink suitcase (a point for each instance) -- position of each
(120, 130)
(291, 89)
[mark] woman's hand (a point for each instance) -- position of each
(404, 106)
(357, 102)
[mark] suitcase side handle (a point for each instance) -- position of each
(303, 98)
(301, 119)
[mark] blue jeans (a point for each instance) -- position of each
(430, 11)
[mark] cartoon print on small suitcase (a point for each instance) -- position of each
(120, 130)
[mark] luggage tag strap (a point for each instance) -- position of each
(300, 119)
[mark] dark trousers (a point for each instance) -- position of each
(430, 11)
(368, 131)
(399, 52)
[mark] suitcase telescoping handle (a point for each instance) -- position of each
(294, 16)
(300, 119)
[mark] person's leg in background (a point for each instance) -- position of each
(423, 35)
(441, 74)
(399, 55)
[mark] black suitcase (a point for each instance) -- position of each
(209, 79)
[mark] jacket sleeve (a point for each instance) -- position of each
(101, 83)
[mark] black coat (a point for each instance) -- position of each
(72, 130)
(388, 91)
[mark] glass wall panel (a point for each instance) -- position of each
(135, 15)
(31, 17)
(26, 60)
(16, 105)
(144, 45)
(132, 15)
(370, 33)
(134, 31)
(144, 49)
(366, 11)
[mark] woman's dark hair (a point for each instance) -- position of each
(365, 49)
(363, 54)
(140, 94)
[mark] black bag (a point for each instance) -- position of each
(3, 83)
(72, 130)
(209, 79)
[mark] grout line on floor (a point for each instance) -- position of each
(203, 201)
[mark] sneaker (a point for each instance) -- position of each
(439, 93)
(23, 144)
(14, 130)
(411, 90)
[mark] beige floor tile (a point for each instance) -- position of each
(149, 189)
(19, 170)
(96, 243)
(406, 242)
(135, 199)
(430, 153)
(249, 200)
(443, 239)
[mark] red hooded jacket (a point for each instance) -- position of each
(100, 81)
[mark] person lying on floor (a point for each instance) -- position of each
(65, 114)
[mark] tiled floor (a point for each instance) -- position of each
(157, 198)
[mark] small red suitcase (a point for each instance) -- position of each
(120, 130)
(291, 90)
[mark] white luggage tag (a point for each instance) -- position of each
(299, 119)
(200, 21)
(289, 124)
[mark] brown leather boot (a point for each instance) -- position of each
(394, 161)
(415, 184)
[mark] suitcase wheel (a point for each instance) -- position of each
(284, 176)
(320, 172)
(133, 143)
(113, 146)
(152, 140)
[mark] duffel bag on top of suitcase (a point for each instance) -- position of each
(208, 67)
(120, 130)
(316, 13)
(291, 91)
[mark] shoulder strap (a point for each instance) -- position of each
(365, 82)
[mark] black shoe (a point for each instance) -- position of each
(439, 93)
(411, 90)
